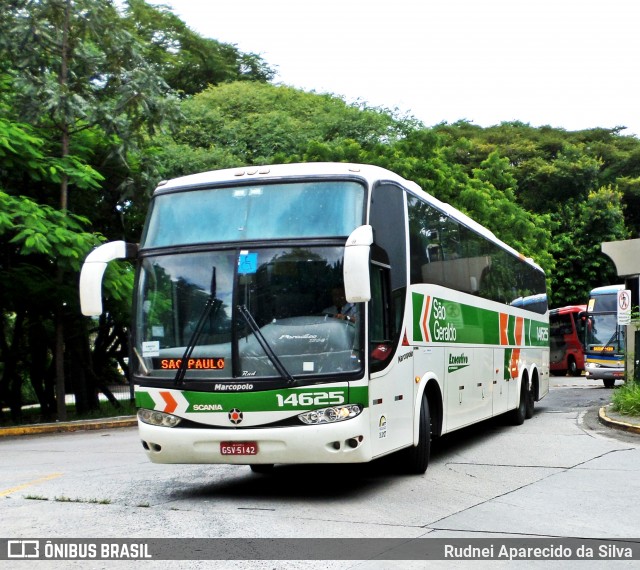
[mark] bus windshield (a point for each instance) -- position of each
(603, 333)
(268, 211)
(289, 293)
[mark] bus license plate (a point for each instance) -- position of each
(239, 448)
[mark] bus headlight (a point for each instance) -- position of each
(154, 418)
(330, 415)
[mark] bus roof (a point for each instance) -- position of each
(367, 172)
(606, 290)
(568, 309)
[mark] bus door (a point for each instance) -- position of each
(391, 387)
(391, 396)
(500, 383)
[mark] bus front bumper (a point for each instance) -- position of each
(597, 372)
(340, 442)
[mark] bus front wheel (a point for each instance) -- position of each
(609, 382)
(417, 457)
(573, 367)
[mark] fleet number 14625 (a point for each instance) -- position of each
(310, 399)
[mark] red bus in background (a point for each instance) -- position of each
(566, 326)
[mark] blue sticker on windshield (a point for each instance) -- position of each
(247, 263)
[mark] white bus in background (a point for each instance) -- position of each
(244, 352)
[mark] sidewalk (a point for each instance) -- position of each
(61, 427)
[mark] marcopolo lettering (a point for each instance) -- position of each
(233, 387)
(405, 356)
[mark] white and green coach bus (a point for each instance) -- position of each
(321, 313)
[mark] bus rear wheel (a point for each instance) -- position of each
(530, 401)
(518, 415)
(417, 457)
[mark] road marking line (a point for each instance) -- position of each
(30, 484)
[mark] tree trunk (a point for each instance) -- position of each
(39, 347)
(11, 377)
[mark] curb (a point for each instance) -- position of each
(617, 423)
(62, 427)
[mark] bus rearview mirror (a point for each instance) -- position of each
(357, 285)
(93, 270)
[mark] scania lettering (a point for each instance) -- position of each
(370, 317)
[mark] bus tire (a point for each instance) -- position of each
(530, 402)
(262, 468)
(609, 382)
(518, 415)
(573, 366)
(417, 457)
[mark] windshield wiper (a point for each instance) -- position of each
(255, 329)
(210, 303)
(614, 338)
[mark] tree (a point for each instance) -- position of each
(243, 123)
(34, 239)
(187, 61)
(86, 91)
(581, 229)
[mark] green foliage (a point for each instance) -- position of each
(41, 230)
(188, 62)
(626, 399)
(99, 118)
(580, 188)
(581, 227)
(244, 123)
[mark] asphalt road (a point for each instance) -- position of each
(560, 474)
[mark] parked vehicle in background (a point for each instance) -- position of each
(605, 340)
(567, 330)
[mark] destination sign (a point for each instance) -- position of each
(215, 363)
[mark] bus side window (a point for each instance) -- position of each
(381, 329)
(388, 271)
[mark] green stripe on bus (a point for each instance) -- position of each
(457, 323)
(417, 302)
(144, 400)
(463, 324)
(307, 398)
